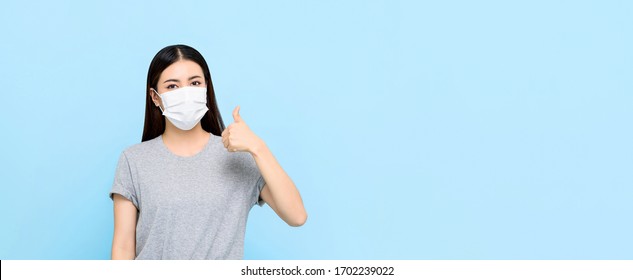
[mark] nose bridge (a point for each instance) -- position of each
(176, 97)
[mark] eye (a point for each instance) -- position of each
(171, 86)
(196, 83)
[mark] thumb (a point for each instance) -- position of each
(236, 114)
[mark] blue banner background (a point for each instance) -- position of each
(413, 129)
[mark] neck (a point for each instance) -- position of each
(175, 135)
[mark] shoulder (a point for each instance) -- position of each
(215, 143)
(141, 149)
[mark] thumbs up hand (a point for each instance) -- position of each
(238, 137)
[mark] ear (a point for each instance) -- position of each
(154, 95)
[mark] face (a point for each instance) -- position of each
(182, 73)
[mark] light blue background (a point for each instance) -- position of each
(414, 130)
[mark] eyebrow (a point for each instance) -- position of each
(176, 80)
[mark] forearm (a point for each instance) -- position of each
(283, 191)
(123, 250)
(119, 253)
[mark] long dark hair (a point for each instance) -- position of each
(154, 121)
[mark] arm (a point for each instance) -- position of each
(279, 191)
(124, 240)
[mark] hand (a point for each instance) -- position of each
(238, 137)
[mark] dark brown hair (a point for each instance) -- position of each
(154, 120)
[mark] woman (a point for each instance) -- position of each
(186, 190)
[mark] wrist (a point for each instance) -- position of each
(258, 148)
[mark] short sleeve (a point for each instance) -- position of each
(259, 185)
(123, 181)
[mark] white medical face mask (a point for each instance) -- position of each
(184, 107)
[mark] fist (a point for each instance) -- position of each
(238, 137)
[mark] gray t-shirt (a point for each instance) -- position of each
(189, 207)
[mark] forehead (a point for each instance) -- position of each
(181, 70)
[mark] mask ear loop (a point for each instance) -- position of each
(161, 109)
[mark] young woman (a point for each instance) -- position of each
(186, 190)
